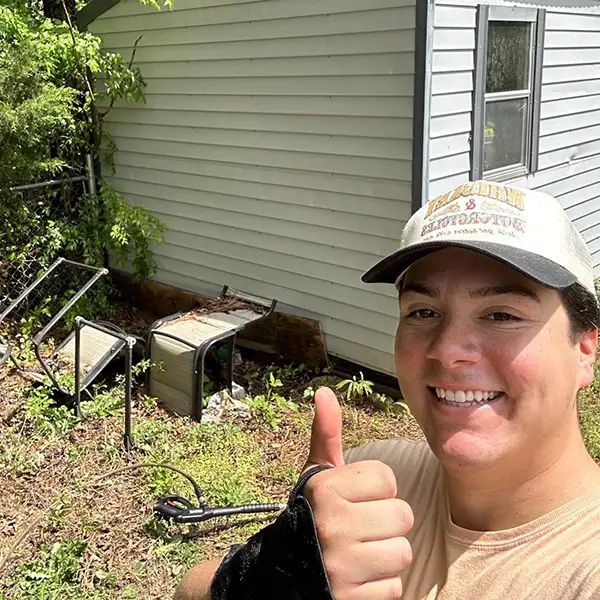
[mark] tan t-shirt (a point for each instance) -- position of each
(555, 557)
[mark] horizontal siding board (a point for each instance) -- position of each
(450, 165)
(449, 145)
(565, 156)
(446, 183)
(572, 56)
(572, 89)
(371, 64)
(357, 43)
(447, 125)
(569, 123)
(393, 19)
(572, 139)
(451, 82)
(345, 146)
(453, 39)
(450, 104)
(448, 60)
(589, 223)
(322, 163)
(368, 127)
(306, 183)
(194, 13)
(560, 21)
(582, 207)
(569, 106)
(282, 195)
(458, 17)
(363, 85)
(195, 202)
(294, 105)
(565, 39)
(560, 179)
(577, 188)
(593, 243)
(568, 73)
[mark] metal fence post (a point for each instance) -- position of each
(89, 168)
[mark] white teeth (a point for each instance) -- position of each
(460, 396)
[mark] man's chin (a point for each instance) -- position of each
(465, 452)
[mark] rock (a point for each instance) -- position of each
(222, 406)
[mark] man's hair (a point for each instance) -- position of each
(582, 309)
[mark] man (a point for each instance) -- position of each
(497, 333)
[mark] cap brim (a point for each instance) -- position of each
(534, 266)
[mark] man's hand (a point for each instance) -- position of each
(360, 523)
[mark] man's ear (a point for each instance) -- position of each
(587, 344)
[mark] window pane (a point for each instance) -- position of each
(508, 56)
(505, 133)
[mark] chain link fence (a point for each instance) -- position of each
(31, 218)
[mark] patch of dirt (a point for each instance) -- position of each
(53, 481)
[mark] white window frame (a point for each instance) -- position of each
(532, 93)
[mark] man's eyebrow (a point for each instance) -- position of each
(432, 291)
(506, 288)
(418, 287)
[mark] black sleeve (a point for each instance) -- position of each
(282, 561)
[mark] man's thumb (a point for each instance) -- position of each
(326, 434)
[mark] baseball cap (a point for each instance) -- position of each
(527, 230)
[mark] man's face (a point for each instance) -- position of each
(474, 330)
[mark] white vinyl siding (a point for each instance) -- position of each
(569, 160)
(569, 146)
(276, 144)
(452, 95)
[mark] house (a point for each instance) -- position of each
(285, 143)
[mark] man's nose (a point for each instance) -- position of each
(453, 343)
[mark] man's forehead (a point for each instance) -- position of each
(479, 274)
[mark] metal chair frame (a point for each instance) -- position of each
(122, 341)
(202, 349)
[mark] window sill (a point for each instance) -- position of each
(506, 174)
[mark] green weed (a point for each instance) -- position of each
(356, 387)
(55, 574)
(271, 406)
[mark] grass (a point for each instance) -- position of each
(77, 535)
(85, 537)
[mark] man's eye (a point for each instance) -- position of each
(503, 316)
(422, 313)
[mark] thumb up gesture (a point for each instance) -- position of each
(360, 523)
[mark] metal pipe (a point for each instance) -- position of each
(127, 439)
(78, 323)
(51, 183)
(91, 175)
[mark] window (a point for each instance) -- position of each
(507, 89)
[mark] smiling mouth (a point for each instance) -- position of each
(465, 398)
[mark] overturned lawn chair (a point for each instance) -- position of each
(177, 346)
(87, 346)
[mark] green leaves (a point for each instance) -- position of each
(46, 127)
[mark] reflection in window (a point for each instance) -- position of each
(508, 96)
